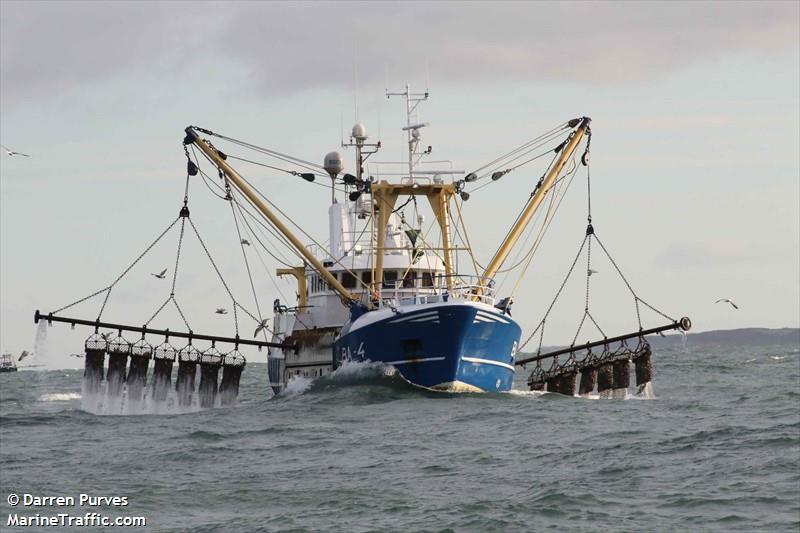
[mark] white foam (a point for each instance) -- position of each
(297, 385)
(102, 404)
(523, 393)
(60, 397)
(357, 368)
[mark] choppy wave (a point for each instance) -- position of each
(360, 450)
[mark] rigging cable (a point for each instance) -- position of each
(524, 146)
(247, 265)
(111, 286)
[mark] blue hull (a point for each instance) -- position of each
(455, 346)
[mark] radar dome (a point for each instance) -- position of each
(333, 163)
(359, 132)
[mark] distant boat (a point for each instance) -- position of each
(7, 363)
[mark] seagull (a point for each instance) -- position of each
(162, 275)
(245, 242)
(221, 311)
(727, 300)
(262, 325)
(592, 271)
(12, 152)
(23, 355)
(76, 355)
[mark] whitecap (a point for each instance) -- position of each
(60, 397)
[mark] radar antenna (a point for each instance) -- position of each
(412, 122)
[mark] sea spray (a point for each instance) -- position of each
(40, 348)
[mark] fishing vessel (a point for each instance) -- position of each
(7, 363)
(397, 283)
(383, 290)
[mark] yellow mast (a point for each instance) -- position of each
(384, 196)
(251, 195)
(536, 199)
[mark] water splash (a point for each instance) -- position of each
(100, 403)
(296, 386)
(40, 348)
(646, 393)
(60, 397)
(348, 374)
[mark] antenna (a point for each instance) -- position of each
(412, 101)
(427, 75)
(355, 76)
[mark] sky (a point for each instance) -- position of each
(695, 161)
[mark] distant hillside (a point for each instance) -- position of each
(742, 336)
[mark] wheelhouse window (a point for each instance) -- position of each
(349, 280)
(408, 279)
(389, 278)
(427, 279)
(366, 277)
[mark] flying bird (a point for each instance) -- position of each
(12, 152)
(161, 275)
(245, 242)
(221, 311)
(727, 300)
(80, 355)
(23, 355)
(261, 326)
(592, 271)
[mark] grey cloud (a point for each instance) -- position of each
(580, 42)
(285, 47)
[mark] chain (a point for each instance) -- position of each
(178, 256)
(560, 289)
(219, 274)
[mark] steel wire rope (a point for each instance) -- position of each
(274, 232)
(522, 210)
(291, 172)
(466, 235)
(536, 216)
(496, 161)
(252, 235)
(247, 266)
(559, 193)
(259, 221)
(206, 179)
(520, 156)
(278, 155)
(288, 218)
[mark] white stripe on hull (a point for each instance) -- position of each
(407, 361)
(479, 361)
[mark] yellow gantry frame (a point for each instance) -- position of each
(302, 288)
(237, 181)
(384, 197)
(535, 200)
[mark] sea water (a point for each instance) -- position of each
(717, 448)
